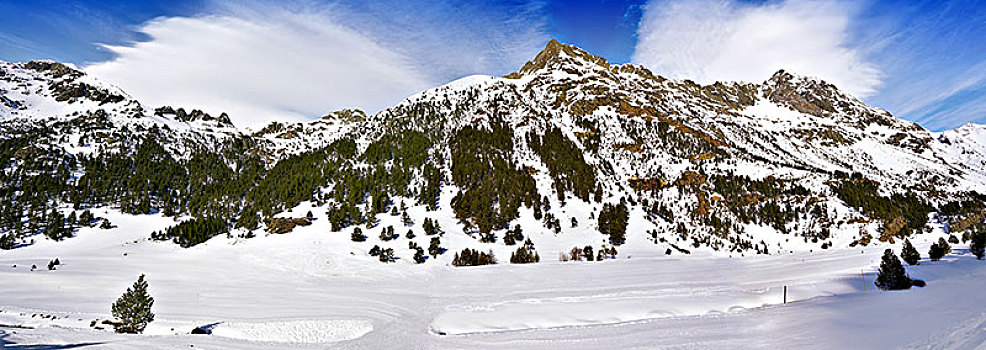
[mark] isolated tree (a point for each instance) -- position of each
(428, 227)
(358, 235)
(977, 245)
(435, 247)
(133, 309)
(909, 254)
(892, 275)
(939, 250)
(406, 219)
(7, 241)
(419, 255)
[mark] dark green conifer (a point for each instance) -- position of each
(892, 275)
(133, 309)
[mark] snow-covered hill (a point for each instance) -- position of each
(791, 163)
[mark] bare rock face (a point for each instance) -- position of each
(285, 225)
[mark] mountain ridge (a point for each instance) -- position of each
(568, 144)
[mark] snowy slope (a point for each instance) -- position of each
(304, 290)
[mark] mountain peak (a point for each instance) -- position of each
(556, 55)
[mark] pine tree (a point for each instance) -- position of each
(939, 250)
(7, 241)
(892, 275)
(435, 247)
(405, 219)
(419, 255)
(428, 227)
(977, 245)
(86, 218)
(133, 309)
(358, 235)
(909, 254)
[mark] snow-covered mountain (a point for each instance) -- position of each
(571, 149)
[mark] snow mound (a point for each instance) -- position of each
(295, 331)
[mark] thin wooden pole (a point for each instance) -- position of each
(862, 276)
(785, 294)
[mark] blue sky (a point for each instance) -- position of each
(922, 60)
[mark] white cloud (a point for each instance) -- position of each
(710, 40)
(286, 67)
(300, 59)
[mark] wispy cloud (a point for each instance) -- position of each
(934, 57)
(299, 60)
(710, 40)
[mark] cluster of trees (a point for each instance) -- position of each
(472, 257)
(419, 253)
(577, 254)
(525, 254)
(513, 236)
(385, 255)
(762, 202)
(613, 222)
(431, 227)
(586, 253)
(28, 198)
(387, 234)
(492, 188)
(565, 163)
(859, 192)
(192, 232)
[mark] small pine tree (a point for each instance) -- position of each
(387, 255)
(939, 250)
(387, 233)
(892, 275)
(977, 244)
(358, 235)
(428, 227)
(909, 254)
(435, 247)
(419, 255)
(406, 219)
(7, 241)
(133, 309)
(106, 225)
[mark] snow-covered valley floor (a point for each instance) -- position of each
(306, 290)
